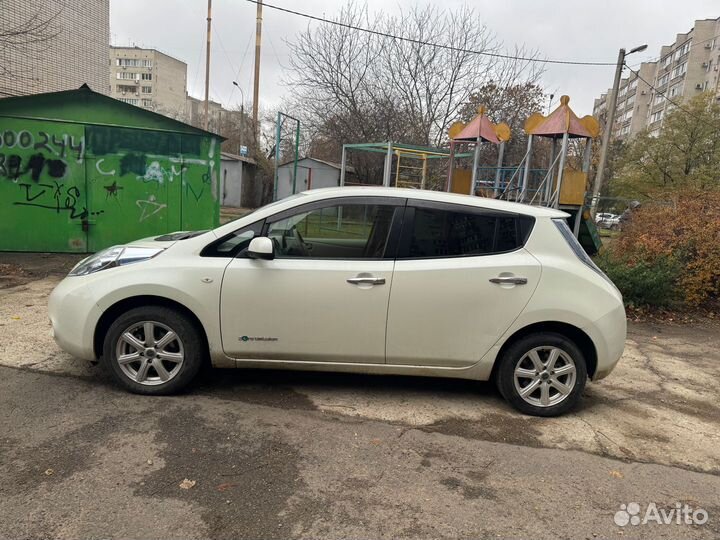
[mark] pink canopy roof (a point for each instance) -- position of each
(562, 120)
(480, 126)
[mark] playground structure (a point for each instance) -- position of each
(562, 187)
(406, 175)
(478, 131)
(558, 186)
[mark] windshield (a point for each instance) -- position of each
(270, 205)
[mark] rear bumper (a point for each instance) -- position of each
(74, 313)
(608, 333)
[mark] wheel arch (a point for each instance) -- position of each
(126, 304)
(578, 336)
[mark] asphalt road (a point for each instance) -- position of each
(82, 459)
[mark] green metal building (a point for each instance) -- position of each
(80, 171)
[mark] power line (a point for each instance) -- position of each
(237, 75)
(427, 43)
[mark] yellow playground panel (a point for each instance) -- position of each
(572, 189)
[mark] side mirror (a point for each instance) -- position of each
(261, 247)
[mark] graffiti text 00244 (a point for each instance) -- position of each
(60, 145)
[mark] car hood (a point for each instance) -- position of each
(165, 240)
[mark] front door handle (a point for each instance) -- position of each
(510, 280)
(366, 280)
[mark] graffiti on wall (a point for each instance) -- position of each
(55, 197)
(115, 182)
(50, 155)
(26, 157)
(149, 207)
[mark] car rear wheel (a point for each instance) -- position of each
(153, 350)
(542, 374)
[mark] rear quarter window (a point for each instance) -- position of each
(439, 232)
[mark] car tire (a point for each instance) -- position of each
(542, 374)
(164, 364)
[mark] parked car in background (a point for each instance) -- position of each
(607, 220)
(602, 216)
(367, 280)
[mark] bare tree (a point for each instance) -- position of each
(435, 83)
(353, 86)
(26, 39)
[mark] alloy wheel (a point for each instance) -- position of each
(545, 376)
(149, 353)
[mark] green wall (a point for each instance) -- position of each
(79, 187)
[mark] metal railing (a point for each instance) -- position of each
(510, 183)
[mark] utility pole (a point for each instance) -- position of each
(256, 87)
(207, 66)
(609, 122)
(242, 116)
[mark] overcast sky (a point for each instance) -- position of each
(559, 29)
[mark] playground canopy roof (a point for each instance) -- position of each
(480, 126)
(561, 121)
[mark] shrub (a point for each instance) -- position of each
(684, 235)
(642, 283)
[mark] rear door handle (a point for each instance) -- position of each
(512, 280)
(366, 280)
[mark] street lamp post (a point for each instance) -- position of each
(609, 122)
(242, 116)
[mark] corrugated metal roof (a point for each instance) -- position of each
(237, 157)
(328, 163)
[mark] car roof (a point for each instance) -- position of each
(427, 195)
(362, 191)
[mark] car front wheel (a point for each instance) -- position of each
(153, 350)
(542, 374)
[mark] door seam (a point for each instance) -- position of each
(387, 311)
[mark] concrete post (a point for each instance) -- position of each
(424, 172)
(342, 167)
(607, 132)
(387, 173)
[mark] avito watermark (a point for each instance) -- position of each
(680, 514)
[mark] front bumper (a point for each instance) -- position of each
(74, 313)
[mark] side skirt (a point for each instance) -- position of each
(479, 371)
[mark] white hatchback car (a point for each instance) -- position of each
(368, 280)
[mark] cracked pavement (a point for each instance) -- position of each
(308, 455)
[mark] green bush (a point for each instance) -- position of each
(642, 283)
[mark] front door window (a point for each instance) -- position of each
(343, 231)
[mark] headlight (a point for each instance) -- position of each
(113, 256)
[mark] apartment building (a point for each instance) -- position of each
(196, 114)
(684, 69)
(633, 102)
(150, 79)
(72, 51)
